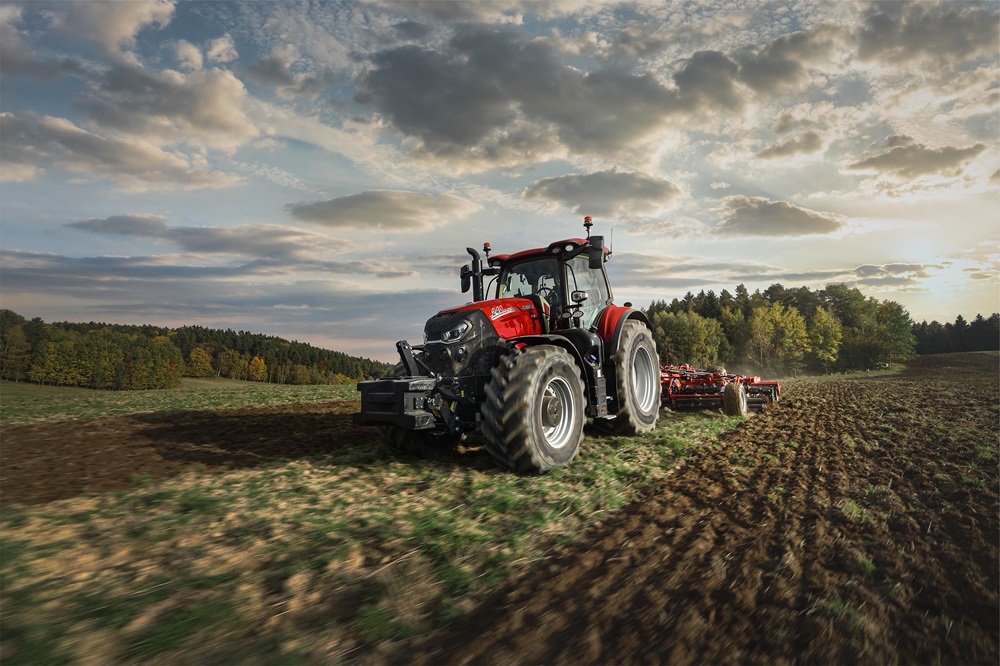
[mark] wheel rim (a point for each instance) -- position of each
(645, 382)
(558, 413)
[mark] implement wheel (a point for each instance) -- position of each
(534, 410)
(637, 380)
(734, 400)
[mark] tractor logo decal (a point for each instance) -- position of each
(499, 311)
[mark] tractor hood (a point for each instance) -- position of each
(510, 317)
(464, 340)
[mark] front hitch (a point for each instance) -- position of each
(406, 402)
(406, 355)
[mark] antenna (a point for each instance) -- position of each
(611, 242)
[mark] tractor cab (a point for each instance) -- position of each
(572, 293)
(566, 280)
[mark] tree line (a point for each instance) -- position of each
(127, 357)
(786, 331)
(981, 334)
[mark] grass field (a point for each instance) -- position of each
(826, 530)
(22, 403)
(324, 558)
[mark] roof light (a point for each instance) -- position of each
(568, 248)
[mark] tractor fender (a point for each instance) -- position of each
(554, 340)
(611, 323)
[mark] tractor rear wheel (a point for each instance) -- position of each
(421, 443)
(734, 400)
(637, 380)
(534, 410)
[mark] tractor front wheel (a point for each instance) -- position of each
(734, 400)
(534, 410)
(637, 381)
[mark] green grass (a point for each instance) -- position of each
(855, 512)
(351, 552)
(22, 403)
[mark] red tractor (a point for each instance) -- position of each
(687, 387)
(529, 364)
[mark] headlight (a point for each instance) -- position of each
(455, 334)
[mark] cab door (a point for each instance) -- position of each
(580, 277)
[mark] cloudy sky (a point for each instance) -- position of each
(315, 170)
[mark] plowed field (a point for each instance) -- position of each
(855, 522)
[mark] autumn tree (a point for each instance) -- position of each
(199, 363)
(257, 370)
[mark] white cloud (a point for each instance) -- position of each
(125, 225)
(19, 58)
(253, 250)
(26, 147)
(200, 108)
(188, 55)
(939, 33)
(607, 193)
(221, 50)
(757, 216)
(489, 93)
(111, 26)
(643, 112)
(810, 142)
(913, 161)
(389, 210)
(276, 70)
(494, 12)
(780, 65)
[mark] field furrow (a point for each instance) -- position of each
(856, 521)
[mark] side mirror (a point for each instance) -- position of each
(579, 296)
(466, 278)
(596, 252)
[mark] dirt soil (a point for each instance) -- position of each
(47, 462)
(856, 521)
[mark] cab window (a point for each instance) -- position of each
(530, 278)
(580, 277)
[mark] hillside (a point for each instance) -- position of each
(104, 355)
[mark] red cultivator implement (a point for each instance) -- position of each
(685, 387)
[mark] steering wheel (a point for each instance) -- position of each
(551, 295)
